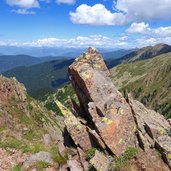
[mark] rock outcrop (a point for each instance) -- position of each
(110, 123)
(26, 127)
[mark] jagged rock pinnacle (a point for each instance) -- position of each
(113, 123)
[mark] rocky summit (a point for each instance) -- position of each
(108, 131)
(101, 130)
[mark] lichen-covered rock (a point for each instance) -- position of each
(154, 129)
(102, 102)
(77, 131)
(100, 162)
(118, 123)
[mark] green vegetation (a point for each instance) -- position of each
(41, 165)
(62, 95)
(148, 81)
(123, 161)
(90, 153)
(57, 157)
(24, 146)
(16, 168)
(42, 78)
(11, 143)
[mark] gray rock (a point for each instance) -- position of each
(41, 156)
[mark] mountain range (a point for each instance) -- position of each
(8, 62)
(143, 72)
(48, 74)
(148, 80)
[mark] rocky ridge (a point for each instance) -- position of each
(105, 131)
(113, 125)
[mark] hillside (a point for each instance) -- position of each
(24, 126)
(148, 80)
(8, 62)
(42, 78)
(143, 53)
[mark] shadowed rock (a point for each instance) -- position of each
(77, 131)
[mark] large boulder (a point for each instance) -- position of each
(102, 102)
(105, 120)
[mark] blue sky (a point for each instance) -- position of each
(82, 23)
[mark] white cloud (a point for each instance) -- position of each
(148, 35)
(141, 10)
(23, 12)
(98, 41)
(96, 15)
(141, 42)
(126, 11)
(24, 3)
(80, 41)
(163, 31)
(144, 28)
(65, 1)
(139, 28)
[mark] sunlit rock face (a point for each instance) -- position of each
(107, 121)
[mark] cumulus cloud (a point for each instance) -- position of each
(65, 1)
(139, 28)
(148, 35)
(145, 41)
(23, 3)
(124, 12)
(141, 10)
(145, 29)
(163, 31)
(96, 15)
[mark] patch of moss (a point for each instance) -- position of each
(56, 156)
(41, 165)
(169, 156)
(16, 168)
(37, 148)
(90, 153)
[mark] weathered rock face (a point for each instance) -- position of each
(109, 122)
(77, 131)
(105, 105)
(153, 129)
(10, 88)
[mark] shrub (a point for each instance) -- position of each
(123, 160)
